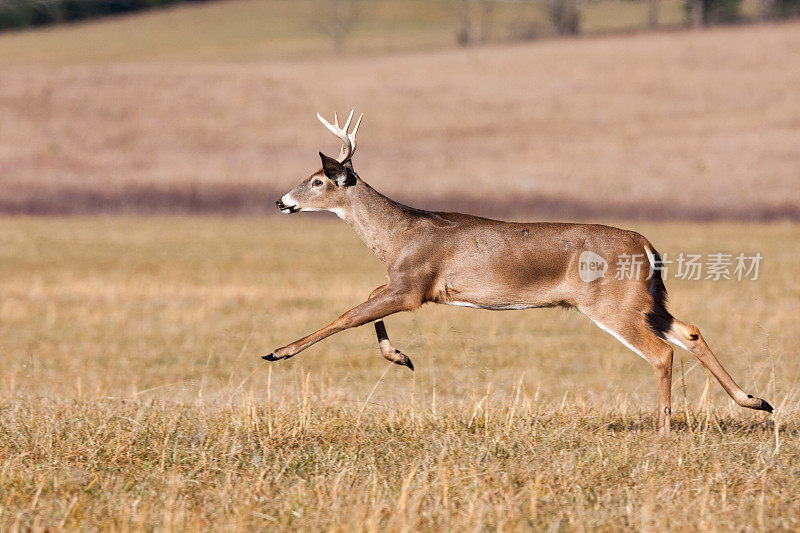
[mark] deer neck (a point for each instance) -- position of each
(377, 220)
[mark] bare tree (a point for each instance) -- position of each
(486, 19)
(652, 13)
(476, 18)
(765, 9)
(340, 17)
(464, 36)
(566, 16)
(697, 13)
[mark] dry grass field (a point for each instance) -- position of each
(698, 125)
(132, 395)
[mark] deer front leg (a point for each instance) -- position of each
(382, 303)
(387, 350)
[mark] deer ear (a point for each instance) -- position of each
(331, 167)
(341, 174)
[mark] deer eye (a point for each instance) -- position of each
(317, 183)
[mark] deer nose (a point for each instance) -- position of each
(280, 205)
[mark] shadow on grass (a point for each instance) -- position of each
(721, 425)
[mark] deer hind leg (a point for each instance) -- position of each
(688, 337)
(632, 330)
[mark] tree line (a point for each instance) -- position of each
(24, 13)
(475, 17)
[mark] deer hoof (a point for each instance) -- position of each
(271, 357)
(405, 361)
(759, 404)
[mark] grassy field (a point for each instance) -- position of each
(700, 125)
(132, 395)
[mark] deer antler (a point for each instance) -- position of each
(348, 139)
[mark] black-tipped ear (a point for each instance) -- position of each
(343, 175)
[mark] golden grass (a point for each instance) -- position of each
(683, 124)
(132, 394)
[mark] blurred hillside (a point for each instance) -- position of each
(210, 108)
(250, 29)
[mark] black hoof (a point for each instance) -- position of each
(764, 406)
(270, 357)
(406, 361)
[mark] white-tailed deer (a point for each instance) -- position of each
(457, 259)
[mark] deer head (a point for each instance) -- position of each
(325, 189)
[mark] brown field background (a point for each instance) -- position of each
(679, 125)
(132, 393)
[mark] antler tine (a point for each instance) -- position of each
(349, 118)
(352, 134)
(348, 139)
(334, 128)
(355, 129)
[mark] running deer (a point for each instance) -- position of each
(465, 260)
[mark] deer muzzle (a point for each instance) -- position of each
(286, 208)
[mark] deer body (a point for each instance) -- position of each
(464, 260)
